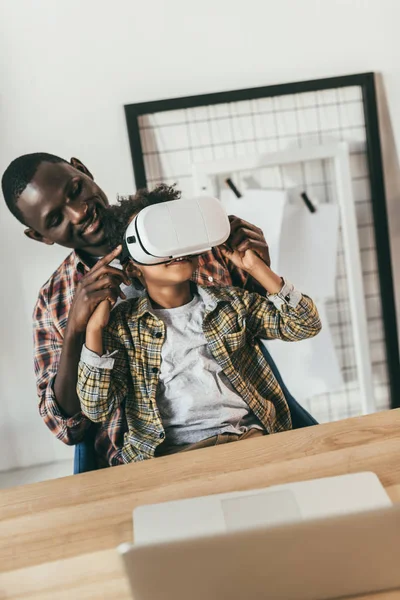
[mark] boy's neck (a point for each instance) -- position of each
(171, 296)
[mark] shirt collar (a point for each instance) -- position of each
(82, 264)
(144, 306)
(211, 298)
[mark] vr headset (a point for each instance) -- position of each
(162, 232)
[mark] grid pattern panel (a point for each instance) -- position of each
(173, 140)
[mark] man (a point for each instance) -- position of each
(59, 203)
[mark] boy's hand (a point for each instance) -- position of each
(248, 260)
(245, 236)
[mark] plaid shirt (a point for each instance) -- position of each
(128, 374)
(49, 322)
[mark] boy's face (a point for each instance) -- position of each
(62, 205)
(169, 274)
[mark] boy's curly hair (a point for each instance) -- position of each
(117, 217)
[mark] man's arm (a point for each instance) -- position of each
(101, 283)
(64, 388)
(48, 345)
(56, 359)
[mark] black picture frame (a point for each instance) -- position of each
(367, 83)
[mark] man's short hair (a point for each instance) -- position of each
(19, 174)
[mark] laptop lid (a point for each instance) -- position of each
(314, 560)
(275, 505)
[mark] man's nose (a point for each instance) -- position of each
(77, 213)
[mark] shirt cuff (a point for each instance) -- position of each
(94, 360)
(287, 296)
(52, 408)
(99, 362)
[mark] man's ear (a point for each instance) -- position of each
(79, 166)
(37, 237)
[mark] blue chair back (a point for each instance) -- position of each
(300, 417)
(85, 455)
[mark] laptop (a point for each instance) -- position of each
(275, 505)
(318, 559)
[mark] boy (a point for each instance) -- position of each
(182, 362)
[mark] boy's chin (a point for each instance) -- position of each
(178, 280)
(181, 277)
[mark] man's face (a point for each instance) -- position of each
(62, 205)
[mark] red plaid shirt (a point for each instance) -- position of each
(49, 322)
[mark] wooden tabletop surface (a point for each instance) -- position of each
(58, 538)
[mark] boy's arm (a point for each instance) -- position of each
(239, 277)
(244, 236)
(102, 376)
(288, 316)
(285, 313)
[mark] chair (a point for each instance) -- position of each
(300, 417)
(85, 455)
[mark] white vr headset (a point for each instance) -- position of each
(162, 232)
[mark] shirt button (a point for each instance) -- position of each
(210, 279)
(159, 335)
(155, 370)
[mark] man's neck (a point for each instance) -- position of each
(90, 259)
(95, 250)
(171, 296)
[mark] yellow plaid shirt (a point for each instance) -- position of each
(128, 375)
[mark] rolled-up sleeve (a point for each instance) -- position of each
(103, 380)
(289, 316)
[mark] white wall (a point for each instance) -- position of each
(67, 69)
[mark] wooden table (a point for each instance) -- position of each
(58, 538)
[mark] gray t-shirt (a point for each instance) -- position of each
(195, 399)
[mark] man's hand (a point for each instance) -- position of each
(100, 283)
(245, 236)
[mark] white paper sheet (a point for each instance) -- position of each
(264, 208)
(309, 367)
(308, 248)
